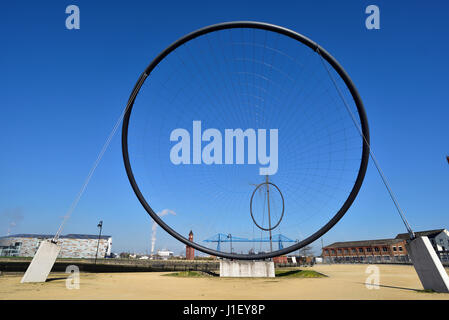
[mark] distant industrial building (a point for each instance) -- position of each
(366, 251)
(281, 259)
(164, 254)
(384, 250)
(72, 245)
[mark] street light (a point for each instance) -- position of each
(99, 225)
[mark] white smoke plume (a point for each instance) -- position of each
(13, 218)
(154, 226)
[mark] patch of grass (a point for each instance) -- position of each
(298, 274)
(189, 274)
(427, 291)
(282, 273)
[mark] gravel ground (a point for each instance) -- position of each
(343, 282)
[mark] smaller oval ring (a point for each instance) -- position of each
(251, 206)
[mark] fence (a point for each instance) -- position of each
(404, 259)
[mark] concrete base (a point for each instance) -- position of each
(42, 262)
(427, 265)
(251, 269)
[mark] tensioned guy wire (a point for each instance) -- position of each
(384, 179)
(95, 165)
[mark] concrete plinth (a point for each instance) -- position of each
(42, 262)
(252, 269)
(427, 265)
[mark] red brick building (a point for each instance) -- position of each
(280, 259)
(368, 251)
(385, 250)
(190, 252)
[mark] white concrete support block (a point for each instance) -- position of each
(250, 269)
(427, 265)
(42, 262)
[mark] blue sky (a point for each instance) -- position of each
(62, 91)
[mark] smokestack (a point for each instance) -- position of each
(11, 225)
(14, 216)
(154, 226)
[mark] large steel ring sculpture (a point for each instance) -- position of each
(336, 69)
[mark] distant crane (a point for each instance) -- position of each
(221, 237)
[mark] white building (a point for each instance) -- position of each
(439, 238)
(165, 254)
(72, 245)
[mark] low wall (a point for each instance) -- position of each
(114, 265)
(243, 269)
(20, 264)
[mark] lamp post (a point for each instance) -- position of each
(100, 225)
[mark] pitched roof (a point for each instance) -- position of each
(363, 243)
(427, 233)
(400, 237)
(48, 236)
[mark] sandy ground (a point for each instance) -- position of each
(343, 282)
